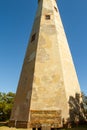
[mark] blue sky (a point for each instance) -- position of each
(16, 19)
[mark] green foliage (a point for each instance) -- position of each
(6, 103)
(84, 97)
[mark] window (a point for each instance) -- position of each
(39, 128)
(55, 8)
(38, 1)
(34, 128)
(33, 37)
(47, 17)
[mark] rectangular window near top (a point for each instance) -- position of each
(38, 1)
(47, 17)
(33, 37)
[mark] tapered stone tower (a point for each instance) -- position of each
(48, 87)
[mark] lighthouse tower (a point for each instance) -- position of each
(48, 87)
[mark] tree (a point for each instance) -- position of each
(6, 103)
(84, 97)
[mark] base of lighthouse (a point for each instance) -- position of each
(40, 119)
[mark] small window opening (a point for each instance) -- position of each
(33, 37)
(38, 1)
(55, 8)
(47, 17)
(34, 128)
(39, 128)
